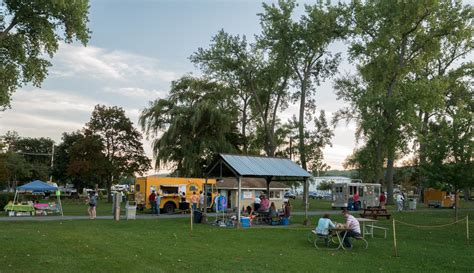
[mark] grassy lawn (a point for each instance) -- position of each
(166, 246)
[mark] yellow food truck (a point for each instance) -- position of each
(170, 188)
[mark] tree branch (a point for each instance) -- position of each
(13, 23)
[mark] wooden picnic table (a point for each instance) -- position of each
(374, 213)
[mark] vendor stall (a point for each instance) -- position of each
(16, 209)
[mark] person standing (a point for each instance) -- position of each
(194, 200)
(356, 199)
(256, 204)
(382, 200)
(158, 203)
(152, 200)
(201, 201)
(354, 228)
(400, 200)
(92, 202)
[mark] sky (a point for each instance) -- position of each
(136, 49)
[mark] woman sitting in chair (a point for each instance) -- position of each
(324, 224)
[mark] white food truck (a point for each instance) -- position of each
(368, 194)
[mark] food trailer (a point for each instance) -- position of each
(439, 199)
(343, 192)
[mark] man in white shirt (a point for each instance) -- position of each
(256, 205)
(354, 228)
(400, 200)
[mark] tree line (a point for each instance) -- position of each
(107, 150)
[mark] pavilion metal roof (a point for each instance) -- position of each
(259, 166)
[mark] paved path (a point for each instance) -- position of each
(175, 216)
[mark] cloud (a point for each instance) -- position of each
(103, 64)
(136, 92)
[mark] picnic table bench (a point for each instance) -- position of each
(374, 213)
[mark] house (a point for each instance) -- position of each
(251, 187)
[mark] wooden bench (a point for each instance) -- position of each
(374, 213)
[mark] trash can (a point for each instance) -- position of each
(131, 210)
(197, 215)
(412, 203)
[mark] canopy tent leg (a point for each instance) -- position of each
(239, 192)
(60, 205)
(14, 198)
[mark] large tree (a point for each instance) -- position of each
(197, 121)
(30, 31)
(121, 141)
(391, 40)
(302, 46)
(259, 81)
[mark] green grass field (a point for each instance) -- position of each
(167, 246)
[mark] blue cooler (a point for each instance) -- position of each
(245, 222)
(285, 221)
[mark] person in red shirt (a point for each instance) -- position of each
(382, 200)
(355, 197)
(152, 200)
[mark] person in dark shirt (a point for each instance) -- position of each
(152, 200)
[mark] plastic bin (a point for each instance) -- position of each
(285, 221)
(197, 215)
(412, 203)
(245, 222)
(131, 210)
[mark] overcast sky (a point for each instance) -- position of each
(137, 48)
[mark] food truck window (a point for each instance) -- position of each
(361, 191)
(169, 190)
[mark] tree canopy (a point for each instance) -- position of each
(31, 31)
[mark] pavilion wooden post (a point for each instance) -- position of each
(306, 188)
(269, 180)
(239, 192)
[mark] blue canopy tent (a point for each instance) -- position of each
(38, 186)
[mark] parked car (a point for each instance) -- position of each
(319, 195)
(289, 195)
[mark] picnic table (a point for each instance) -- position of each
(19, 209)
(340, 237)
(374, 213)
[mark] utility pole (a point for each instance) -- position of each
(52, 162)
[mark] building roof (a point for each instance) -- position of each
(259, 166)
(250, 183)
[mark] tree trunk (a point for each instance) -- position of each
(244, 127)
(301, 136)
(389, 178)
(379, 162)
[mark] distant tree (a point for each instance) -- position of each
(325, 185)
(197, 121)
(62, 156)
(15, 168)
(30, 31)
(35, 151)
(87, 165)
(122, 144)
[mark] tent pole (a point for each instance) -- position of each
(239, 192)
(14, 198)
